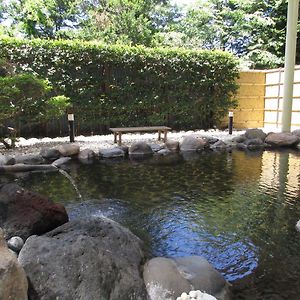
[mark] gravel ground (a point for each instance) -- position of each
(96, 142)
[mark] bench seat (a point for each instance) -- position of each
(160, 129)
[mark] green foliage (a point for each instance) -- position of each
(26, 99)
(132, 86)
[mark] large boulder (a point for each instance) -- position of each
(168, 278)
(296, 132)
(193, 143)
(86, 155)
(111, 153)
(140, 149)
(24, 213)
(6, 160)
(94, 259)
(255, 133)
(13, 281)
(50, 154)
(254, 144)
(282, 139)
(29, 159)
(69, 149)
(172, 145)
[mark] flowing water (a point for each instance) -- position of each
(237, 209)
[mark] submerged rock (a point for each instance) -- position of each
(13, 281)
(94, 259)
(167, 278)
(24, 213)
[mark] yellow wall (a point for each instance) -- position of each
(250, 110)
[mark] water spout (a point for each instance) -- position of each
(65, 174)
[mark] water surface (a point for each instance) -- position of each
(238, 210)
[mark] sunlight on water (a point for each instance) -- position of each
(237, 209)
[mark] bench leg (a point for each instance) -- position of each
(159, 135)
(115, 137)
(120, 139)
(165, 136)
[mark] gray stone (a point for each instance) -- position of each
(239, 139)
(172, 145)
(50, 153)
(24, 213)
(69, 149)
(171, 277)
(219, 145)
(85, 259)
(156, 147)
(140, 149)
(255, 133)
(86, 155)
(193, 143)
(13, 281)
(111, 153)
(61, 161)
(210, 139)
(29, 159)
(281, 139)
(253, 144)
(15, 243)
(6, 160)
(164, 152)
(296, 132)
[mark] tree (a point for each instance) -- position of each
(45, 18)
(25, 99)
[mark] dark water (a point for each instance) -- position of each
(238, 210)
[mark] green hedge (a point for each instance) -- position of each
(132, 86)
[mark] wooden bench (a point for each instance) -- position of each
(119, 131)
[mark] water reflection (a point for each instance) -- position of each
(237, 209)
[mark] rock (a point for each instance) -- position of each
(124, 148)
(219, 145)
(61, 161)
(50, 154)
(13, 281)
(111, 153)
(6, 160)
(298, 226)
(68, 149)
(15, 243)
(239, 139)
(167, 278)
(210, 139)
(281, 139)
(192, 143)
(26, 168)
(85, 259)
(29, 159)
(296, 132)
(86, 155)
(140, 149)
(164, 152)
(255, 133)
(156, 147)
(23, 213)
(253, 144)
(172, 145)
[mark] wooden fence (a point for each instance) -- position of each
(260, 98)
